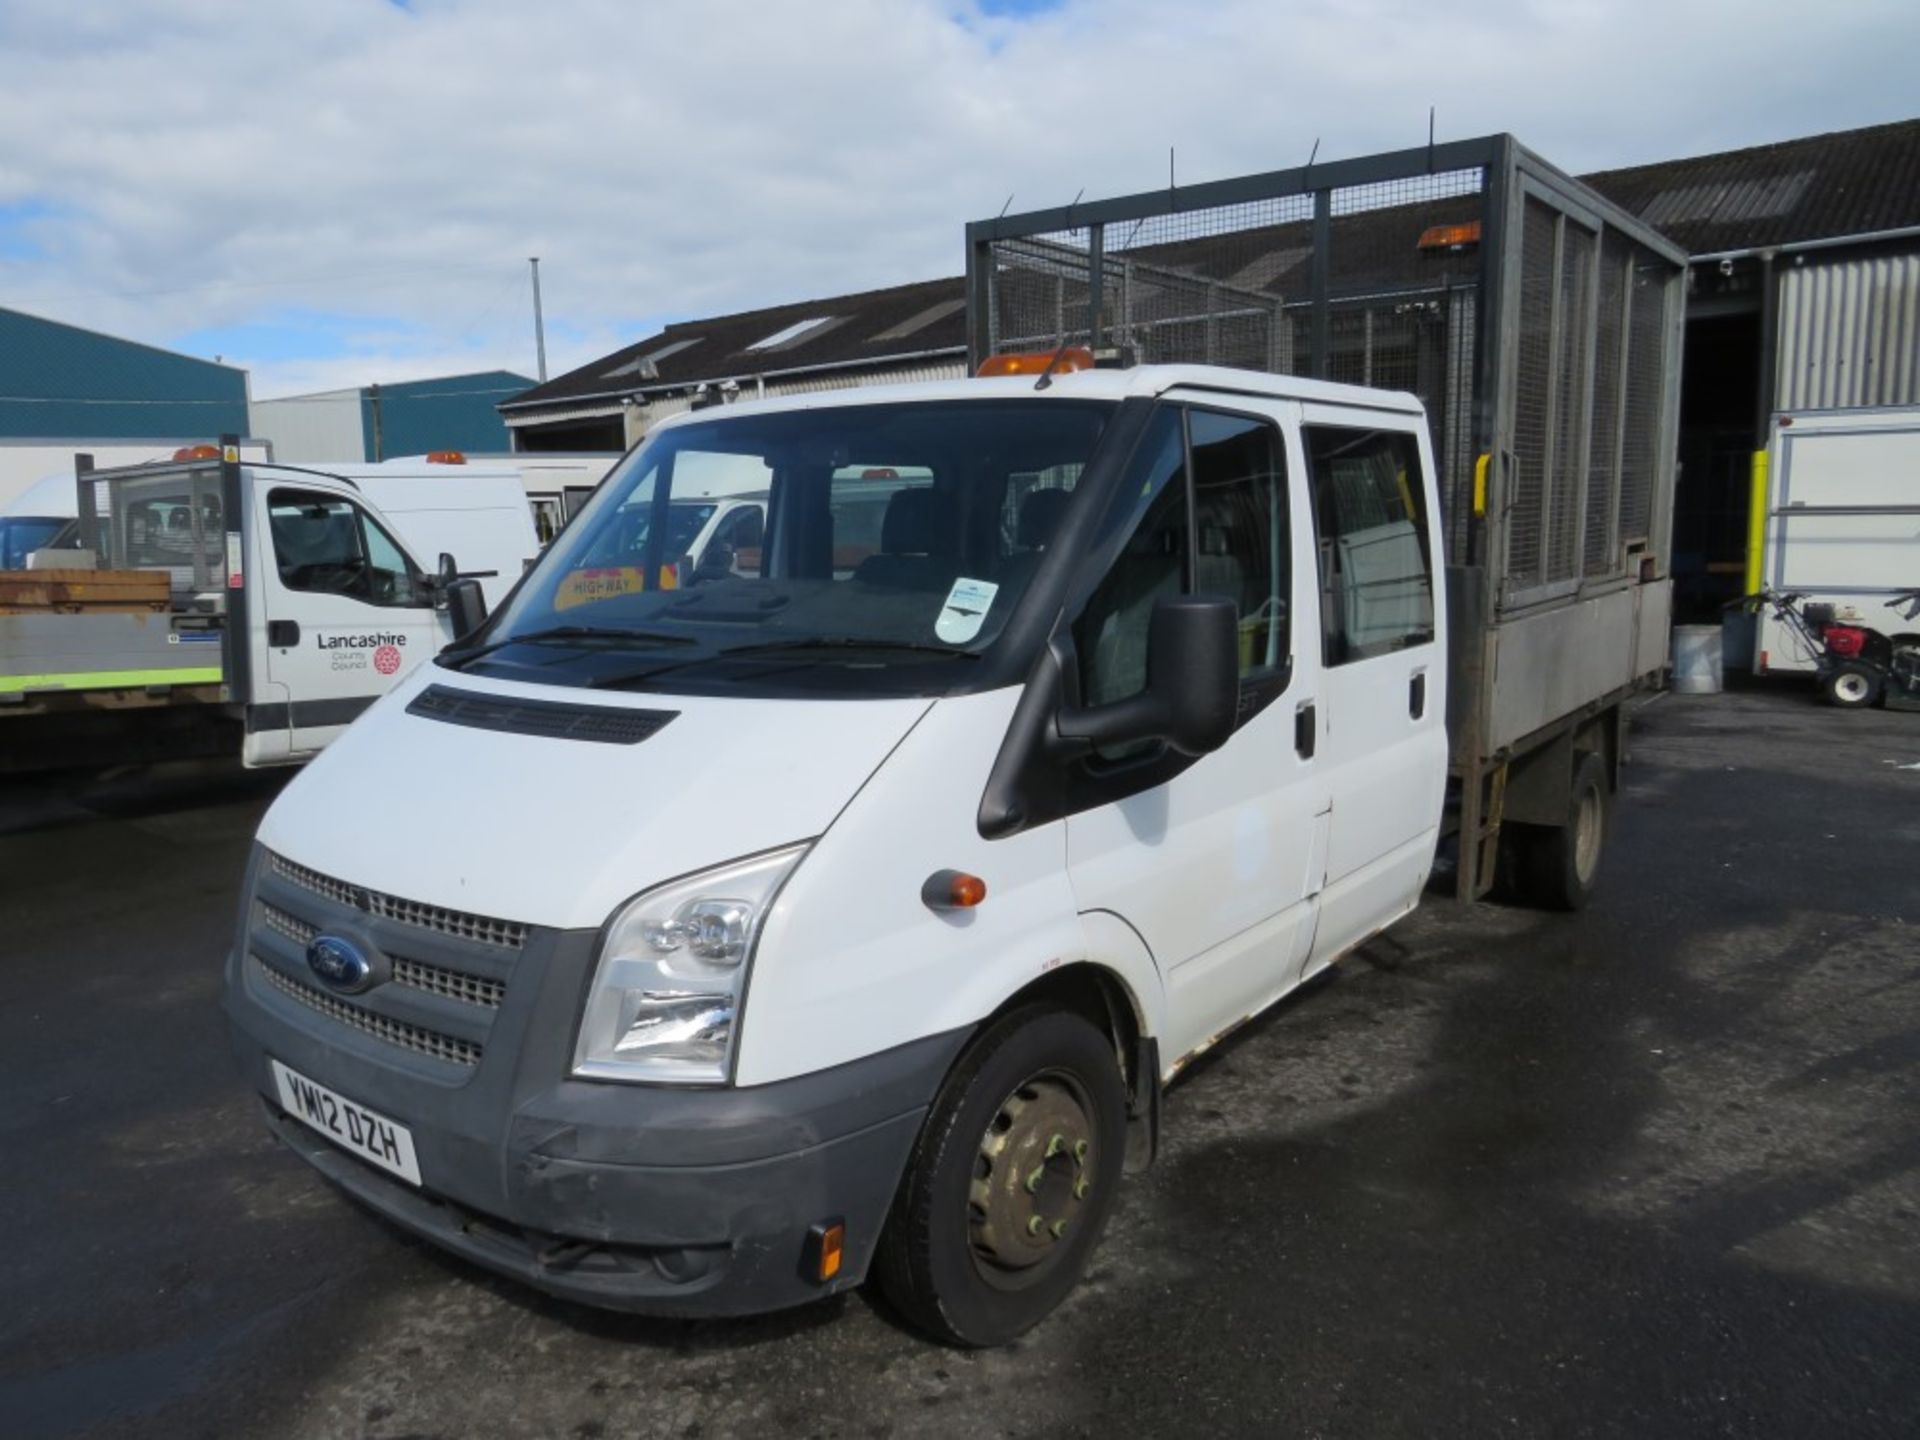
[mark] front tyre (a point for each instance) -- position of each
(1010, 1182)
(1851, 684)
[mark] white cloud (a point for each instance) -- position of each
(674, 160)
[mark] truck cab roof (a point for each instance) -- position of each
(1133, 382)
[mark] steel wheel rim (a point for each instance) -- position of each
(1586, 835)
(1033, 1180)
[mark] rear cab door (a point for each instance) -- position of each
(339, 610)
(1381, 706)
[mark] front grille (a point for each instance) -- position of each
(454, 984)
(291, 926)
(508, 934)
(395, 1032)
(418, 974)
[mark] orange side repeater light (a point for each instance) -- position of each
(1063, 361)
(197, 452)
(952, 890)
(446, 457)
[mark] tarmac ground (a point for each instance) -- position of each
(1649, 1170)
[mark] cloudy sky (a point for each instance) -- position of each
(336, 191)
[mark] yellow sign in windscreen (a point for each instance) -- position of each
(588, 587)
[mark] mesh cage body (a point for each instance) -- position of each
(1237, 285)
(1425, 271)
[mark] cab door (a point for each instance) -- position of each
(1382, 698)
(1212, 861)
(340, 610)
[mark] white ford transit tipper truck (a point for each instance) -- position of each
(706, 949)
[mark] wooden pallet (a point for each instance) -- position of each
(83, 592)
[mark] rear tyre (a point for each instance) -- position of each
(1558, 864)
(1010, 1182)
(1851, 685)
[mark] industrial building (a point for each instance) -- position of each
(60, 384)
(1803, 291)
(377, 422)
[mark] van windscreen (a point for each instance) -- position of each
(866, 547)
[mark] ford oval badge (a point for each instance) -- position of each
(340, 964)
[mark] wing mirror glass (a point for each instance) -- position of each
(1193, 683)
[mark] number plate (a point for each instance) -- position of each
(350, 1125)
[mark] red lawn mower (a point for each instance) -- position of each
(1856, 666)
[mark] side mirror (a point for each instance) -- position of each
(466, 607)
(1193, 682)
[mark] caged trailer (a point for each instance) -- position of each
(1539, 324)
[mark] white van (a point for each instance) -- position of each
(215, 604)
(706, 949)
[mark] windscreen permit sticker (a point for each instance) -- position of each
(965, 610)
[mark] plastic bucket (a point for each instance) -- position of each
(1697, 668)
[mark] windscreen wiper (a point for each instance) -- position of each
(634, 638)
(796, 645)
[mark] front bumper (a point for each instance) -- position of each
(654, 1199)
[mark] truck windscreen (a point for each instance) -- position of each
(864, 547)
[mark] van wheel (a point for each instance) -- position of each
(1851, 685)
(1559, 863)
(1010, 1182)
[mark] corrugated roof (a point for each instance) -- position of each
(876, 326)
(1819, 187)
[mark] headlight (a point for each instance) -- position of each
(665, 1000)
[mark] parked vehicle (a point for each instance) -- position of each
(1838, 528)
(845, 913)
(178, 631)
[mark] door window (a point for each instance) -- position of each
(1376, 581)
(1110, 637)
(1240, 532)
(1225, 533)
(325, 544)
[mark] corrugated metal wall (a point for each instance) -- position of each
(1850, 334)
(313, 429)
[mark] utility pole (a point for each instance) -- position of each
(539, 325)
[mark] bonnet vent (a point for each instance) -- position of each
(608, 725)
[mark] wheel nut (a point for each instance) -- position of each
(1034, 1223)
(1080, 1150)
(1080, 1189)
(1034, 1178)
(1055, 1145)
(1059, 1228)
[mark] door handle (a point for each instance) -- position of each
(1306, 733)
(1417, 694)
(283, 632)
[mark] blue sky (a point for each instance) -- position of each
(347, 190)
